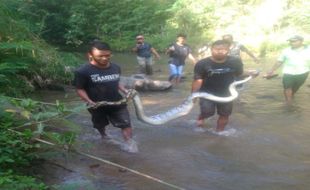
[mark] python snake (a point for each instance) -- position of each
(175, 112)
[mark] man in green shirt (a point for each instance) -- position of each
(296, 66)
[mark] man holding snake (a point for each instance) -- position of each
(214, 74)
(98, 80)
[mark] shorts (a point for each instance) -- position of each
(294, 81)
(175, 70)
(207, 108)
(118, 116)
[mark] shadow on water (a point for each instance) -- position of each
(266, 145)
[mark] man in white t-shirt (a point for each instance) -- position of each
(296, 66)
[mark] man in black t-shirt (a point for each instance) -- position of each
(178, 52)
(97, 81)
(214, 75)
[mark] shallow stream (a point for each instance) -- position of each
(265, 146)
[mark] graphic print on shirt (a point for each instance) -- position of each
(96, 78)
(219, 71)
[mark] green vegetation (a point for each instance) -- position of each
(21, 122)
(72, 23)
(15, 154)
(26, 60)
(37, 39)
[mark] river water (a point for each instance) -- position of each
(266, 146)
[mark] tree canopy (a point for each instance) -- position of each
(33, 31)
(72, 23)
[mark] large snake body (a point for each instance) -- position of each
(185, 107)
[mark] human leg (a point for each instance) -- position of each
(207, 109)
(127, 133)
(119, 117)
(288, 83)
(130, 145)
(288, 94)
(221, 123)
(179, 73)
(224, 110)
(149, 66)
(142, 64)
(99, 120)
(173, 73)
(199, 124)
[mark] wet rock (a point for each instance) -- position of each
(143, 83)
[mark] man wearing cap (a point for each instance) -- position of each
(296, 66)
(144, 52)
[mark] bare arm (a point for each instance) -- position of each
(191, 57)
(135, 49)
(252, 72)
(196, 85)
(122, 89)
(274, 67)
(250, 54)
(83, 95)
(170, 49)
(155, 53)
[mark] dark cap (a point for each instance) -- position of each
(296, 38)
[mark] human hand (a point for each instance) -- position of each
(253, 72)
(91, 104)
(270, 75)
(130, 93)
(138, 45)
